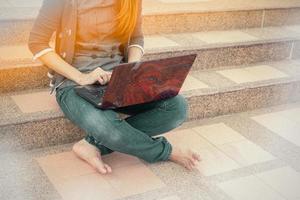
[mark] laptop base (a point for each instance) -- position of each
(92, 93)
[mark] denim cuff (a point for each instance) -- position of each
(169, 150)
(104, 150)
(90, 139)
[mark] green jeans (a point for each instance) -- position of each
(106, 130)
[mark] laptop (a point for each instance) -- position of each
(139, 82)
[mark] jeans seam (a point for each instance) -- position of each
(66, 106)
(168, 155)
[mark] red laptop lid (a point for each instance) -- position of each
(141, 82)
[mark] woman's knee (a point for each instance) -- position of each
(102, 126)
(179, 105)
(99, 123)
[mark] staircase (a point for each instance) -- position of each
(248, 58)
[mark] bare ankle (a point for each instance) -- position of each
(83, 144)
(176, 151)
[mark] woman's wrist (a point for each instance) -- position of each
(79, 78)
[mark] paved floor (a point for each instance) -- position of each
(253, 155)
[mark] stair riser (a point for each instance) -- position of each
(243, 100)
(17, 79)
(60, 130)
(24, 78)
(17, 31)
(280, 17)
(226, 20)
(212, 58)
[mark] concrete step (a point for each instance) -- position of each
(214, 49)
(16, 19)
(33, 119)
(234, 150)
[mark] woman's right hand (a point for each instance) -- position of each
(97, 74)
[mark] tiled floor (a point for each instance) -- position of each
(222, 150)
(249, 188)
(174, 197)
(246, 153)
(284, 123)
(285, 180)
(156, 41)
(14, 52)
(295, 28)
(224, 37)
(214, 161)
(242, 158)
(252, 74)
(253, 155)
(233, 144)
(36, 102)
(219, 134)
(68, 174)
(192, 83)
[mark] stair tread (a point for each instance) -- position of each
(163, 43)
(17, 107)
(29, 10)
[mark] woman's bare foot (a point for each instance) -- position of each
(187, 158)
(91, 155)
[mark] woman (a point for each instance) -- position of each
(92, 37)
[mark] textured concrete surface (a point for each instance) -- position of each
(236, 47)
(281, 17)
(23, 178)
(17, 18)
(209, 94)
(248, 58)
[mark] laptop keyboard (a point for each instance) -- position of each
(97, 92)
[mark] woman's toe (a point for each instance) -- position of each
(192, 163)
(196, 156)
(102, 169)
(108, 168)
(99, 165)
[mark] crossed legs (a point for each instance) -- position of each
(133, 135)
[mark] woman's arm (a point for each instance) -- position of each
(45, 25)
(55, 62)
(47, 22)
(59, 65)
(136, 43)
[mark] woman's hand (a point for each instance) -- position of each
(97, 74)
